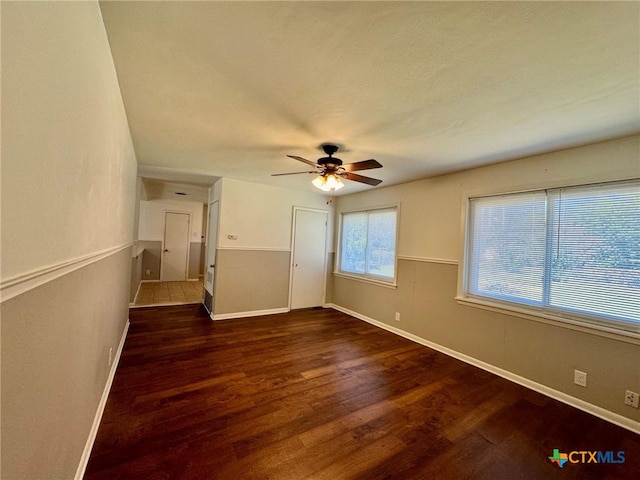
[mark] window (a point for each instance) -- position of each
(368, 244)
(572, 252)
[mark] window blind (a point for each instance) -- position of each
(595, 251)
(571, 251)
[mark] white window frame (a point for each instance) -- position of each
(577, 321)
(368, 277)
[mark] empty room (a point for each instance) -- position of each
(320, 240)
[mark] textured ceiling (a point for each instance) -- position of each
(227, 89)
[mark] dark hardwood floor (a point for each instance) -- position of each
(320, 395)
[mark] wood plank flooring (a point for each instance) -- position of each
(316, 394)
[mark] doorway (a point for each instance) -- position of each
(175, 247)
(308, 258)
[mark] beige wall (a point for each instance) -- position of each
(68, 201)
(195, 260)
(251, 281)
(151, 259)
(55, 363)
(136, 275)
(430, 250)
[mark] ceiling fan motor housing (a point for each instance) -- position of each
(329, 149)
(330, 161)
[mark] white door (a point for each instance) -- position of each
(175, 252)
(212, 242)
(308, 267)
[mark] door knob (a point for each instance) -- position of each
(166, 251)
(212, 265)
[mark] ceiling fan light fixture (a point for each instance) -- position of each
(331, 170)
(328, 183)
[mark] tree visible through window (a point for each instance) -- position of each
(570, 251)
(368, 243)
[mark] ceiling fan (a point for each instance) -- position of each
(331, 170)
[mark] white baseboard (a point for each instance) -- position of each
(599, 412)
(84, 459)
(254, 313)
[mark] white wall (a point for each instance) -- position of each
(152, 217)
(68, 198)
(261, 216)
(61, 148)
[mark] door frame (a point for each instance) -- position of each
(209, 244)
(164, 235)
(293, 246)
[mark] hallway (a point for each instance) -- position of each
(169, 293)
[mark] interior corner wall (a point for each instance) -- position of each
(68, 201)
(430, 245)
(137, 252)
(254, 245)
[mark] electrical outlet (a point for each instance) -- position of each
(147, 272)
(397, 316)
(110, 355)
(631, 398)
(580, 378)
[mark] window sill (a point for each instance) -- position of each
(372, 281)
(556, 320)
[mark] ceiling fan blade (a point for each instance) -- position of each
(361, 179)
(290, 173)
(364, 165)
(300, 159)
